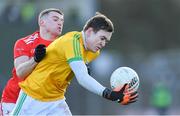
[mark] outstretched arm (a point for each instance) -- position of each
(84, 79)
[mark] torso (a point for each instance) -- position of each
(49, 80)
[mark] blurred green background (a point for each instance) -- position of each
(146, 38)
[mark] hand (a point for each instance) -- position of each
(128, 98)
(121, 95)
(40, 52)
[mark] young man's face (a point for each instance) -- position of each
(98, 40)
(53, 23)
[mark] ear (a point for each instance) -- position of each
(89, 31)
(41, 22)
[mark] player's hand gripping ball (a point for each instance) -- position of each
(123, 75)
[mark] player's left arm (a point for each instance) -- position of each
(84, 79)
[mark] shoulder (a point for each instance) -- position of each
(66, 40)
(70, 36)
(29, 39)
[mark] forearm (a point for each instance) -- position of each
(91, 84)
(24, 69)
(84, 79)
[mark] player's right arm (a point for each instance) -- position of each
(23, 61)
(24, 66)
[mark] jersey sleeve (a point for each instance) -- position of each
(72, 49)
(20, 48)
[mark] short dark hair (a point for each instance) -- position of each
(98, 22)
(46, 11)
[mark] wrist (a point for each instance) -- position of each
(106, 93)
(34, 61)
(111, 95)
(37, 59)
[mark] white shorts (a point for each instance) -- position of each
(6, 108)
(27, 105)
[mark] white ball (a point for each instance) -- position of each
(124, 75)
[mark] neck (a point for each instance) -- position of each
(84, 40)
(46, 35)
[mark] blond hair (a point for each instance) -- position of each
(46, 11)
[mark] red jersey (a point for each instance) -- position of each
(24, 46)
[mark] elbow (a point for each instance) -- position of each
(82, 81)
(79, 81)
(19, 74)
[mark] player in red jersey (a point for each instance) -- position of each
(30, 50)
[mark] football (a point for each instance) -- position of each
(123, 75)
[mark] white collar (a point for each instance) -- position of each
(84, 39)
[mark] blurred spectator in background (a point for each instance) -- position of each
(28, 11)
(161, 98)
(19, 12)
(28, 53)
(11, 13)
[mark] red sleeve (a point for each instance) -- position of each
(21, 48)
